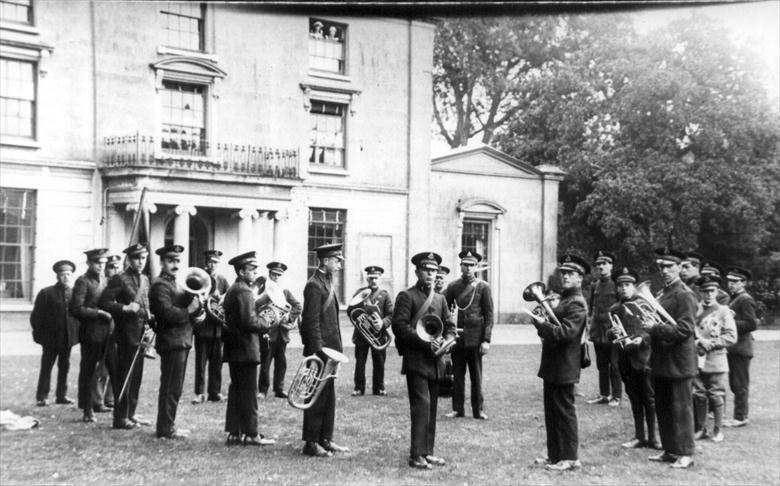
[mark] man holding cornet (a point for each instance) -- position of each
(422, 326)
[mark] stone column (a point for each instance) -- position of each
(181, 229)
(280, 219)
(246, 218)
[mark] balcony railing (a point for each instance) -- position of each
(224, 158)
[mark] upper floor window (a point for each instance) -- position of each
(183, 118)
(17, 223)
(183, 25)
(20, 11)
(327, 41)
(327, 135)
(17, 98)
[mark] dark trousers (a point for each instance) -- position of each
(639, 388)
(560, 420)
(208, 350)
(378, 365)
(241, 414)
(739, 382)
(423, 404)
(173, 367)
(102, 386)
(319, 420)
(91, 355)
(463, 357)
(124, 409)
(273, 351)
(49, 356)
(607, 357)
(674, 408)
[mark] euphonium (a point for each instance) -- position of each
(311, 377)
(197, 281)
(272, 305)
(214, 303)
(647, 309)
(535, 293)
(364, 315)
(430, 328)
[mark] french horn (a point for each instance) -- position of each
(364, 315)
(311, 377)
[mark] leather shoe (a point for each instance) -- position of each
(633, 444)
(453, 414)
(64, 401)
(125, 425)
(598, 400)
(258, 440)
(717, 437)
(280, 394)
(381, 393)
(89, 417)
(419, 462)
(683, 462)
(42, 402)
(101, 409)
(481, 416)
(656, 444)
(663, 457)
(261, 396)
(198, 399)
(138, 420)
(357, 393)
(736, 423)
(331, 446)
(315, 450)
(700, 434)
(436, 461)
(614, 402)
(232, 439)
(564, 465)
(541, 461)
(216, 398)
(177, 434)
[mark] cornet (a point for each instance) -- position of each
(621, 336)
(535, 293)
(311, 377)
(364, 315)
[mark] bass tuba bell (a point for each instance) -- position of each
(430, 328)
(272, 305)
(311, 377)
(364, 315)
(535, 293)
(197, 282)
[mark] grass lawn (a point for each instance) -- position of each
(62, 450)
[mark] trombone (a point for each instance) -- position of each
(311, 377)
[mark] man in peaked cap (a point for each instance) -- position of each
(274, 348)
(423, 369)
(603, 295)
(690, 270)
(673, 361)
(474, 303)
(208, 338)
(740, 354)
(380, 303)
(95, 326)
(320, 329)
(102, 389)
(560, 365)
(708, 267)
(438, 284)
(56, 330)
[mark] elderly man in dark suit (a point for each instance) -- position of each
(56, 330)
(560, 365)
(243, 332)
(740, 354)
(422, 367)
(320, 329)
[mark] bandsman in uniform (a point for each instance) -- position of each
(603, 296)
(634, 361)
(560, 365)
(175, 311)
(95, 326)
(381, 299)
(102, 388)
(446, 381)
(673, 361)
(320, 329)
(690, 271)
(126, 298)
(242, 335)
(278, 336)
(441, 274)
(57, 331)
(715, 331)
(708, 267)
(208, 339)
(422, 367)
(740, 354)
(474, 302)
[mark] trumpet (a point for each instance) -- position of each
(535, 293)
(647, 309)
(272, 305)
(364, 315)
(197, 282)
(430, 328)
(621, 336)
(311, 377)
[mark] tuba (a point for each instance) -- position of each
(197, 282)
(364, 315)
(535, 293)
(214, 304)
(272, 305)
(311, 377)
(430, 329)
(647, 309)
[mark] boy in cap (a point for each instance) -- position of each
(602, 297)
(56, 330)
(715, 331)
(422, 367)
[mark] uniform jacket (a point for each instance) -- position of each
(561, 351)
(382, 300)
(603, 295)
(212, 328)
(124, 288)
(168, 303)
(418, 358)
(674, 348)
(637, 355)
(476, 319)
(716, 324)
(320, 323)
(243, 327)
(744, 308)
(84, 307)
(52, 324)
(281, 332)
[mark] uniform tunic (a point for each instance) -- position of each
(740, 354)
(93, 333)
(208, 347)
(382, 299)
(275, 348)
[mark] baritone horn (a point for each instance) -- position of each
(647, 309)
(535, 293)
(272, 305)
(430, 328)
(364, 315)
(311, 377)
(197, 282)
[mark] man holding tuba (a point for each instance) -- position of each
(380, 300)
(673, 361)
(278, 336)
(208, 338)
(320, 329)
(473, 301)
(421, 364)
